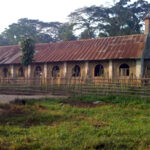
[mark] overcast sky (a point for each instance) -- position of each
(44, 10)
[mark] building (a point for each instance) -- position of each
(110, 58)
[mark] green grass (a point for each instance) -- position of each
(118, 122)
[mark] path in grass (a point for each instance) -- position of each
(76, 123)
(5, 99)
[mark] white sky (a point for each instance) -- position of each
(44, 10)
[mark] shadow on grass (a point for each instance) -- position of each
(26, 115)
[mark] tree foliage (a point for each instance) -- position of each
(27, 49)
(86, 35)
(40, 32)
(66, 32)
(123, 18)
(83, 21)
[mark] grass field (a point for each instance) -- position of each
(76, 123)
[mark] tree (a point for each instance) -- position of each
(40, 32)
(50, 29)
(3, 41)
(66, 32)
(19, 31)
(82, 21)
(85, 34)
(27, 49)
(122, 18)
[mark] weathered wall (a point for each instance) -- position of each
(71, 65)
(132, 65)
(16, 71)
(146, 58)
(86, 69)
(33, 67)
(50, 68)
(147, 68)
(1, 70)
(92, 66)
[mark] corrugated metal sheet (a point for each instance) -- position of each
(121, 47)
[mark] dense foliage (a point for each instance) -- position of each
(27, 48)
(26, 28)
(66, 32)
(122, 18)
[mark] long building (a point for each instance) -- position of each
(109, 57)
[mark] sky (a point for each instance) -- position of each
(44, 10)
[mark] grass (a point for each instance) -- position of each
(117, 122)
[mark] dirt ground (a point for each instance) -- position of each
(5, 99)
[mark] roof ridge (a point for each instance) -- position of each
(59, 42)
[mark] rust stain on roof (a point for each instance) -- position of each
(121, 47)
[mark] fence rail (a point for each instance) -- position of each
(68, 86)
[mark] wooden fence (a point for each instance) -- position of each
(68, 86)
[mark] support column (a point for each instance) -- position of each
(64, 80)
(12, 71)
(138, 68)
(110, 69)
(86, 69)
(45, 70)
(29, 71)
(65, 70)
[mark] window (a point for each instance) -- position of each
(99, 70)
(76, 71)
(21, 72)
(38, 71)
(55, 71)
(5, 72)
(124, 70)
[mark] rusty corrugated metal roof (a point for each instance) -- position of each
(121, 47)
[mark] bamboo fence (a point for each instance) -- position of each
(76, 85)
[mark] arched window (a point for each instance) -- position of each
(99, 70)
(55, 71)
(5, 72)
(124, 70)
(76, 71)
(21, 72)
(38, 71)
